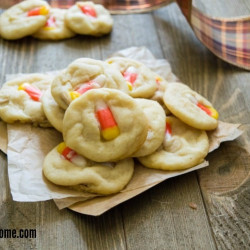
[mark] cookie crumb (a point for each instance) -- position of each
(193, 205)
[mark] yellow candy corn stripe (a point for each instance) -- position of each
(214, 113)
(130, 86)
(110, 133)
(61, 147)
(44, 11)
(74, 95)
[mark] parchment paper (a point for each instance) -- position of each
(28, 145)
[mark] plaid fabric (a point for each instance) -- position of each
(229, 39)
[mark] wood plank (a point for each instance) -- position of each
(225, 183)
(164, 219)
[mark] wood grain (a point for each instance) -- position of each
(164, 219)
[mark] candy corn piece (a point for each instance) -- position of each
(38, 11)
(65, 151)
(108, 125)
(88, 10)
(50, 24)
(130, 74)
(84, 88)
(158, 80)
(130, 86)
(168, 131)
(81, 90)
(34, 93)
(209, 110)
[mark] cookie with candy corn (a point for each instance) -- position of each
(190, 107)
(156, 126)
(20, 99)
(24, 19)
(87, 18)
(82, 75)
(183, 147)
(55, 27)
(159, 93)
(105, 125)
(52, 110)
(141, 80)
(63, 166)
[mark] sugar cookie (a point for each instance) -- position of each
(82, 75)
(156, 126)
(183, 147)
(142, 80)
(190, 107)
(52, 110)
(105, 125)
(55, 28)
(65, 167)
(159, 93)
(87, 18)
(20, 99)
(24, 19)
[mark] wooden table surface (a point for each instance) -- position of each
(160, 218)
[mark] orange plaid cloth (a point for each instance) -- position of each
(227, 38)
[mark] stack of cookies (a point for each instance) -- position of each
(111, 113)
(38, 19)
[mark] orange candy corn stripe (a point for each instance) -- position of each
(109, 128)
(88, 10)
(34, 93)
(82, 89)
(65, 151)
(158, 80)
(130, 77)
(168, 131)
(209, 110)
(50, 24)
(38, 11)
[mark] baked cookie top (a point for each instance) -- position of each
(23, 19)
(183, 147)
(159, 93)
(105, 125)
(87, 18)
(190, 107)
(52, 110)
(142, 81)
(82, 75)
(55, 27)
(65, 167)
(20, 99)
(156, 126)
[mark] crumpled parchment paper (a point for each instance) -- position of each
(26, 147)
